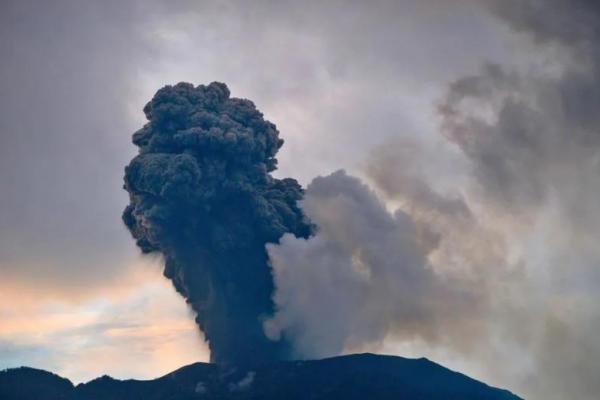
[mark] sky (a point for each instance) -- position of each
(466, 128)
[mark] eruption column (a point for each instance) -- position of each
(201, 194)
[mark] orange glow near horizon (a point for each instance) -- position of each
(139, 329)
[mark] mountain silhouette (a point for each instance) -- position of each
(359, 376)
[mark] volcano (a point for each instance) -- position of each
(359, 376)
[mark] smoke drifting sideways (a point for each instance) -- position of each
(201, 195)
(502, 269)
(526, 132)
(532, 138)
(363, 276)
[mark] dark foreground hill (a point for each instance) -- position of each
(361, 376)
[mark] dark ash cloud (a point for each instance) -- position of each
(202, 196)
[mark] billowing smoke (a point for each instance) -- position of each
(499, 269)
(532, 138)
(202, 196)
(363, 275)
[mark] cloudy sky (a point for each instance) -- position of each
(468, 129)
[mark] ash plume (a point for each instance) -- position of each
(363, 277)
(202, 196)
(532, 139)
(504, 264)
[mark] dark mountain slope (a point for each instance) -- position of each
(29, 383)
(361, 376)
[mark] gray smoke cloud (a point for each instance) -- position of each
(527, 133)
(202, 196)
(500, 269)
(532, 139)
(364, 274)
